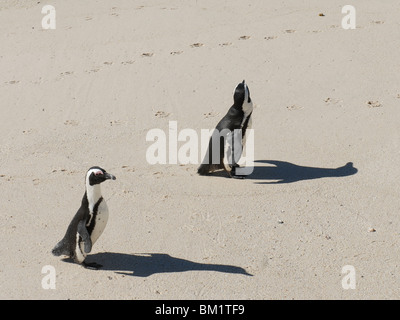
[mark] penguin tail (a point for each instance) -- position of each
(203, 169)
(61, 249)
(206, 169)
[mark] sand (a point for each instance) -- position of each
(88, 92)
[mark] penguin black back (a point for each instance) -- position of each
(68, 243)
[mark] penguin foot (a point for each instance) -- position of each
(234, 176)
(91, 265)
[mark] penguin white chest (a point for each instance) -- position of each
(247, 110)
(100, 221)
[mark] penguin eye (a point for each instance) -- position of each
(98, 173)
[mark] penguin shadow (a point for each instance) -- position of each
(286, 172)
(147, 264)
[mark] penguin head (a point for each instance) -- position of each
(97, 175)
(241, 94)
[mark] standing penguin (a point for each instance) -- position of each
(229, 133)
(88, 223)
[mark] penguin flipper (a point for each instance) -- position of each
(87, 241)
(233, 148)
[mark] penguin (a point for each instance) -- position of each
(238, 117)
(89, 221)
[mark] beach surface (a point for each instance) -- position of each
(320, 212)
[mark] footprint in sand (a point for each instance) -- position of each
(210, 114)
(12, 82)
(374, 104)
(158, 174)
(114, 13)
(161, 114)
(270, 37)
(225, 44)
(294, 107)
(69, 172)
(176, 52)
(147, 54)
(197, 45)
(129, 169)
(127, 62)
(332, 101)
(108, 63)
(64, 74)
(244, 37)
(93, 70)
(115, 122)
(71, 123)
(7, 178)
(290, 31)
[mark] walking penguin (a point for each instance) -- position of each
(226, 145)
(88, 223)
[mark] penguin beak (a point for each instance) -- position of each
(109, 176)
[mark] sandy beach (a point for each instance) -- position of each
(324, 193)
